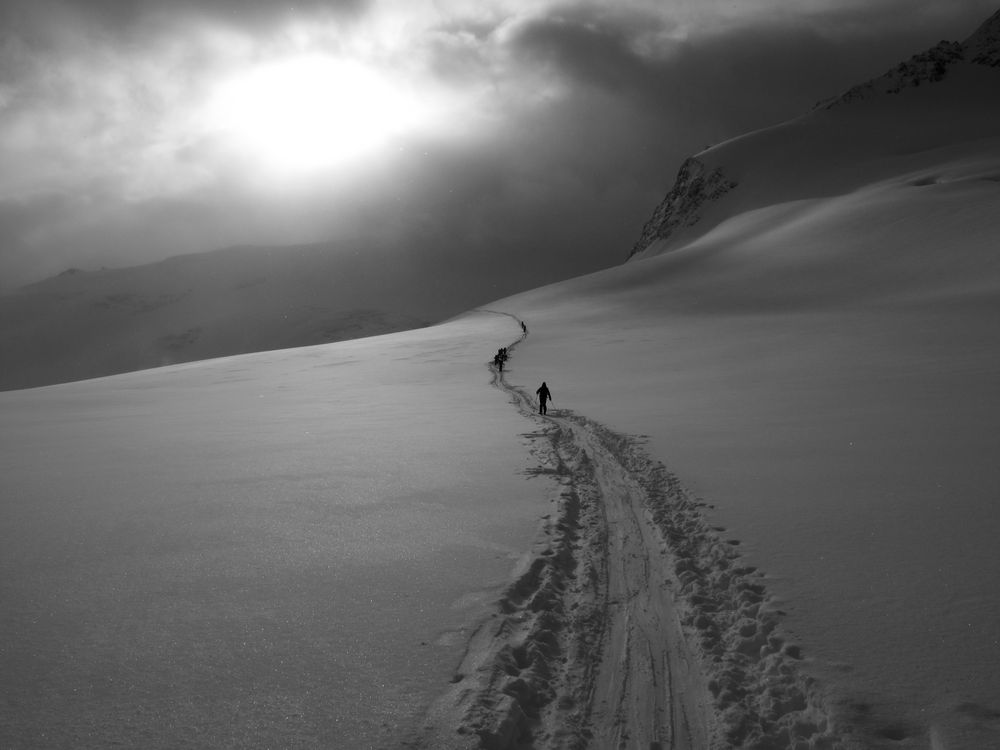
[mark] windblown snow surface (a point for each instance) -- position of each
(760, 512)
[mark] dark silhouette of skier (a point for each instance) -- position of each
(543, 395)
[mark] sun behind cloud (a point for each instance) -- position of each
(309, 112)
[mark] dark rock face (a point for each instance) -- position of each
(694, 187)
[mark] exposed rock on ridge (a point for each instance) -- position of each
(694, 187)
(982, 48)
(927, 67)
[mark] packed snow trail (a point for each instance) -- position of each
(630, 625)
(646, 691)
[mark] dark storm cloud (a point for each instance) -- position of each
(36, 17)
(591, 47)
(19, 220)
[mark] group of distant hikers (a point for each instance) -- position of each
(500, 357)
(543, 393)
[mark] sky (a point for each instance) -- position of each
(492, 134)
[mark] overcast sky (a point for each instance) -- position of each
(497, 133)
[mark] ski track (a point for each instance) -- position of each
(632, 623)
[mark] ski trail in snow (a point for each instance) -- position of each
(647, 689)
(630, 625)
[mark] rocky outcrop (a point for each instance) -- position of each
(927, 67)
(982, 48)
(696, 185)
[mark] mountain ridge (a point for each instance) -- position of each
(982, 47)
(685, 210)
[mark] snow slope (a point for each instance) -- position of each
(823, 372)
(809, 337)
(284, 549)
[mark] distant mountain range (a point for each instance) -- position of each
(83, 324)
(941, 97)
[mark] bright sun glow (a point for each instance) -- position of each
(313, 112)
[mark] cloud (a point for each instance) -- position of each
(598, 49)
(55, 21)
(652, 56)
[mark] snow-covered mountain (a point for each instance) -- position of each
(940, 98)
(84, 324)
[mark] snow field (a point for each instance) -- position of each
(822, 374)
(602, 641)
(284, 549)
(569, 659)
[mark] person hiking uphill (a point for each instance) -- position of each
(543, 395)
